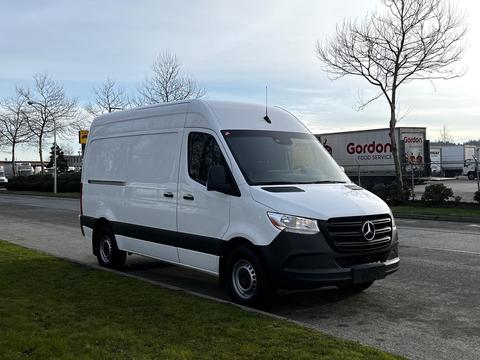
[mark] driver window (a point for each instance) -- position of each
(203, 152)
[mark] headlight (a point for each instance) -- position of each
(294, 224)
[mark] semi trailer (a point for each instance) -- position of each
(368, 153)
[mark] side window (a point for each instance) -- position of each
(106, 159)
(203, 152)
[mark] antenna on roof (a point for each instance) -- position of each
(266, 118)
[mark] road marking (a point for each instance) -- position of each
(442, 249)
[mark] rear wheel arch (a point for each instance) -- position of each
(98, 225)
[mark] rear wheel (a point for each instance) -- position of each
(108, 254)
(471, 176)
(355, 288)
(247, 279)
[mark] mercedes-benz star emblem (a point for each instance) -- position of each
(368, 230)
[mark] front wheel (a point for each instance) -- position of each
(108, 254)
(471, 176)
(248, 280)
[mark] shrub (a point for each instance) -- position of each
(67, 182)
(436, 194)
(476, 197)
(392, 194)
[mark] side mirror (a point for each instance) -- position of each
(217, 180)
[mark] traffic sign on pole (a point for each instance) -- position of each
(82, 136)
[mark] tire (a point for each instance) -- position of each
(471, 176)
(354, 288)
(108, 254)
(247, 279)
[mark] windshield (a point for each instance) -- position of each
(276, 157)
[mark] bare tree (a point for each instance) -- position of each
(14, 129)
(51, 108)
(445, 136)
(108, 98)
(167, 83)
(410, 40)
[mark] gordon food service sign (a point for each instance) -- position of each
(361, 148)
(372, 148)
(413, 148)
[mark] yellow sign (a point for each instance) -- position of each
(82, 136)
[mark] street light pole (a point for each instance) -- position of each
(33, 103)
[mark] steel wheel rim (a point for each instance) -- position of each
(244, 279)
(106, 249)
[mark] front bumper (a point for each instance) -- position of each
(296, 261)
(338, 276)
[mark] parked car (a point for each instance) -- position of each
(226, 189)
(3, 178)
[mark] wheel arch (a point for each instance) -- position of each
(99, 223)
(227, 248)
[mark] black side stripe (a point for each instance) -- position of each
(193, 242)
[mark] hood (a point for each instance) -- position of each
(320, 201)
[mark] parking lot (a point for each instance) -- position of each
(460, 186)
(427, 310)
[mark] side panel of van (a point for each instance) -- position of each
(104, 183)
(151, 193)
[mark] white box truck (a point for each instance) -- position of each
(368, 153)
(436, 161)
(471, 168)
(223, 188)
(456, 159)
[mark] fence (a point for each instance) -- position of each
(413, 172)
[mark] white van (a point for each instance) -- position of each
(222, 187)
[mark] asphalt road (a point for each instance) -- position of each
(430, 309)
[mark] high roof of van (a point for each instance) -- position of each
(215, 115)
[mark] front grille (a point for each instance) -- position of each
(346, 234)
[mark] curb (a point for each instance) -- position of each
(462, 219)
(6, 192)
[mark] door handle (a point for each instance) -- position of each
(168, 195)
(188, 196)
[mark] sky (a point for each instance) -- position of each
(233, 49)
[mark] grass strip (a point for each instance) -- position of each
(50, 308)
(453, 212)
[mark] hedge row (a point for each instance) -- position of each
(67, 182)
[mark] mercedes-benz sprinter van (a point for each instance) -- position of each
(228, 189)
